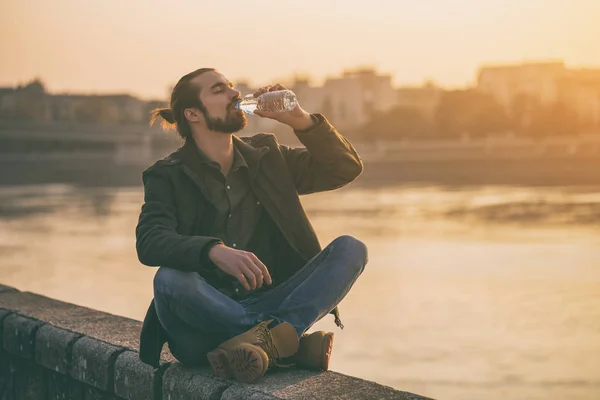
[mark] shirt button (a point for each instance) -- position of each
(228, 187)
(258, 203)
(234, 245)
(229, 216)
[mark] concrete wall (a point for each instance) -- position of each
(55, 350)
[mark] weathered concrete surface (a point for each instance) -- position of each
(296, 384)
(90, 393)
(63, 387)
(92, 363)
(18, 335)
(28, 381)
(56, 350)
(107, 327)
(181, 383)
(135, 380)
(53, 348)
(110, 328)
(3, 314)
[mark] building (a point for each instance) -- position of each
(580, 90)
(25, 102)
(349, 100)
(378, 93)
(521, 88)
(422, 98)
(537, 81)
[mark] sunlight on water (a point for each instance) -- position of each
(472, 293)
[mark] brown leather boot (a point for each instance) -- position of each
(248, 356)
(315, 351)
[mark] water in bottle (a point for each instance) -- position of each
(277, 101)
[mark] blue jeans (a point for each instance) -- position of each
(197, 317)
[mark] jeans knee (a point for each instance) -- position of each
(353, 248)
(168, 281)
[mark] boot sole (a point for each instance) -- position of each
(219, 363)
(327, 347)
(246, 363)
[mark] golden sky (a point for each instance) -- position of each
(143, 47)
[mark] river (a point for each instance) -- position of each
(482, 292)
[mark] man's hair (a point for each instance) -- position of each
(185, 95)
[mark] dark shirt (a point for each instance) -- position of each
(238, 210)
(238, 221)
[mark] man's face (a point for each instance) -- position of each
(219, 97)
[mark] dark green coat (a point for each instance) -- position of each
(176, 214)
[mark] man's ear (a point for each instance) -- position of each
(192, 114)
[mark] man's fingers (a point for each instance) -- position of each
(263, 269)
(262, 90)
(250, 277)
(242, 278)
(278, 86)
(258, 274)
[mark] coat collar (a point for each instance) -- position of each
(189, 155)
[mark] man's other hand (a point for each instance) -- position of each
(297, 119)
(242, 265)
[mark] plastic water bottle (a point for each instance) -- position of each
(277, 101)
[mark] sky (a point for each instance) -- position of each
(144, 47)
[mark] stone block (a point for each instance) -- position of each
(135, 380)
(297, 384)
(185, 383)
(18, 335)
(238, 392)
(92, 362)
(6, 376)
(29, 380)
(333, 386)
(109, 328)
(3, 314)
(90, 393)
(63, 387)
(53, 348)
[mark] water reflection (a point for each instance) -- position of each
(482, 292)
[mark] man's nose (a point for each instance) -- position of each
(234, 94)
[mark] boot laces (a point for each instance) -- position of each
(265, 341)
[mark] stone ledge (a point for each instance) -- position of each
(93, 363)
(296, 384)
(135, 380)
(18, 335)
(183, 383)
(109, 328)
(53, 348)
(45, 338)
(3, 314)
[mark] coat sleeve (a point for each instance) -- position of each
(328, 161)
(157, 240)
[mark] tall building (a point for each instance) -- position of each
(349, 100)
(539, 81)
(519, 88)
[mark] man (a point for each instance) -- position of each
(242, 276)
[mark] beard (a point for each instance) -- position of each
(234, 121)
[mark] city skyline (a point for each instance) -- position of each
(144, 47)
(295, 78)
